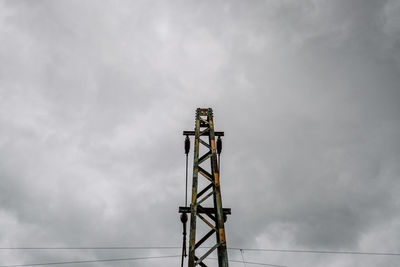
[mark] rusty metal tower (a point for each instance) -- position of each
(205, 191)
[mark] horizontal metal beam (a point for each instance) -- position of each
(226, 211)
(192, 133)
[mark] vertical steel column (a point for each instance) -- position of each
(204, 126)
(222, 252)
(193, 206)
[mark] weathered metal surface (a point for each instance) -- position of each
(204, 126)
(204, 210)
(193, 206)
(193, 133)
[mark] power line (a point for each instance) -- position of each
(259, 263)
(87, 248)
(175, 247)
(255, 263)
(127, 259)
(89, 261)
(241, 253)
(320, 251)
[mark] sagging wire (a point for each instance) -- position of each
(88, 261)
(254, 263)
(241, 253)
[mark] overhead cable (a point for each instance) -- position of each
(88, 261)
(254, 263)
(176, 247)
(88, 248)
(319, 251)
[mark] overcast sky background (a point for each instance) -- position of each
(94, 96)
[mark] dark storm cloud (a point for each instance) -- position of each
(94, 96)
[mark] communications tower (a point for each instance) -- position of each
(206, 201)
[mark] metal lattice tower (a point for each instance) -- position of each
(214, 217)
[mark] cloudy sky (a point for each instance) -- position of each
(94, 96)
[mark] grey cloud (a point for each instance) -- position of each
(94, 96)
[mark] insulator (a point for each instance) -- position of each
(184, 217)
(187, 145)
(219, 145)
